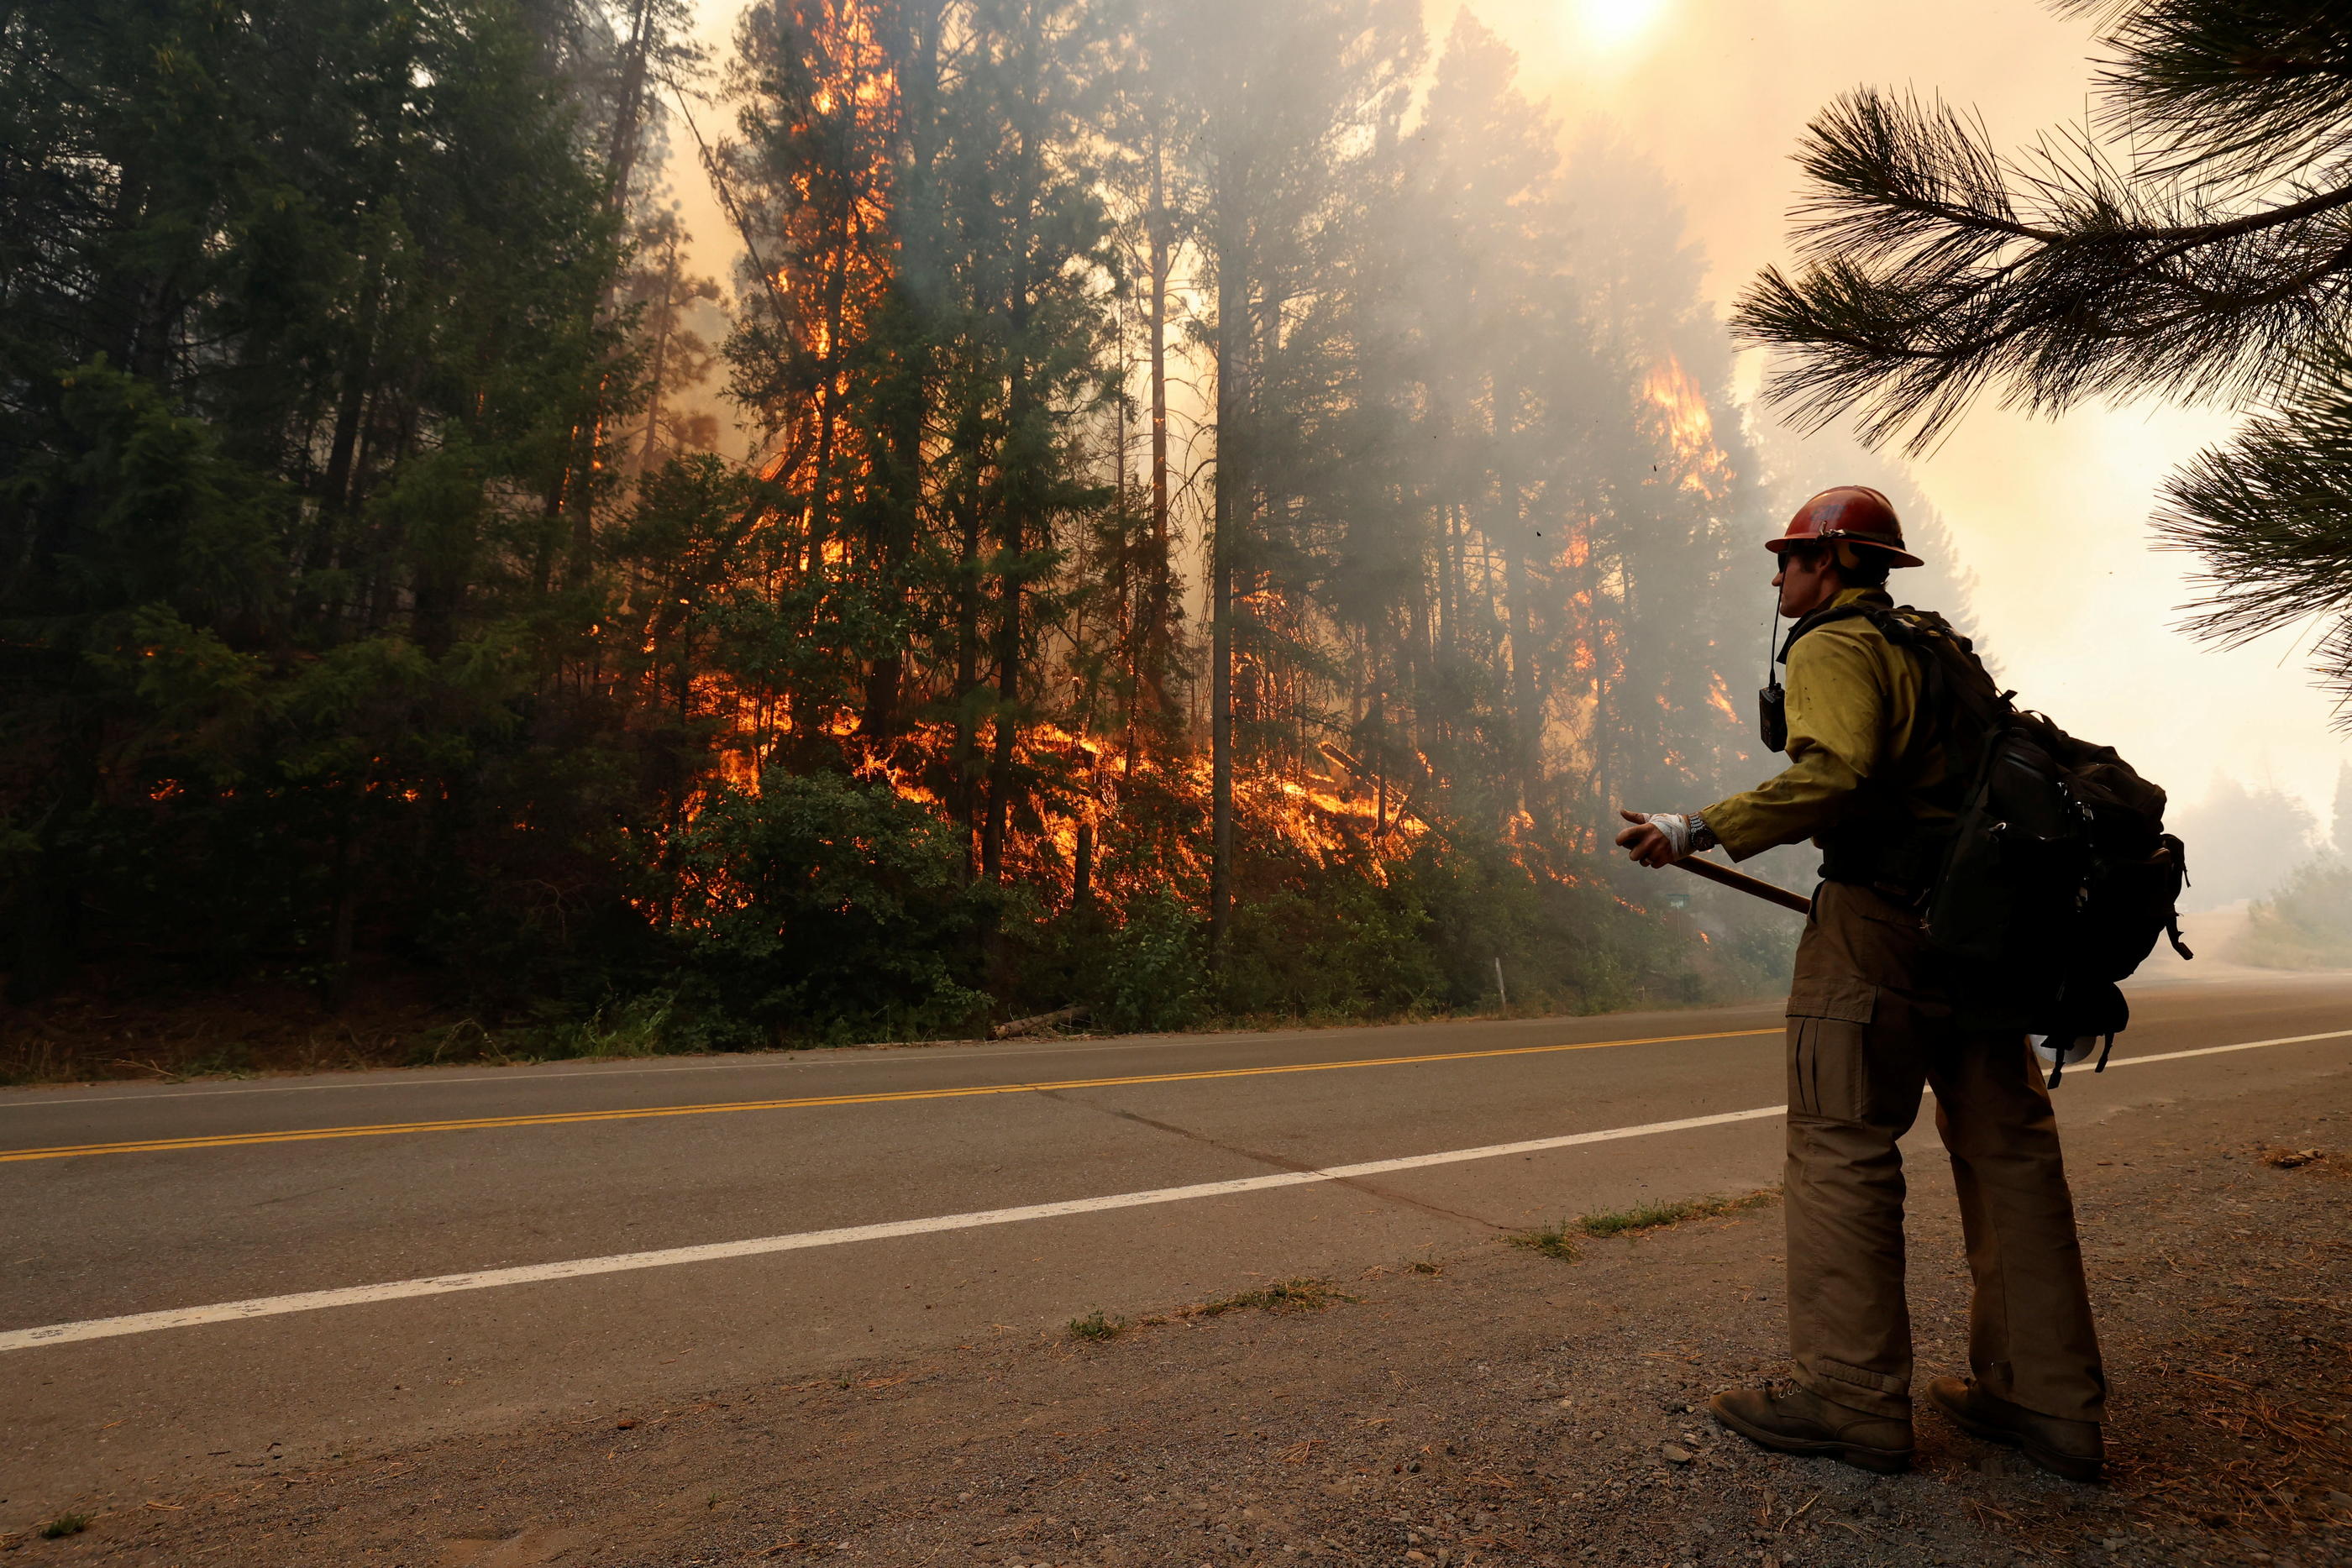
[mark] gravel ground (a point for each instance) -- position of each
(1495, 1406)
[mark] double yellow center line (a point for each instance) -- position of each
(558, 1118)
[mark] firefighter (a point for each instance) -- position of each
(1871, 1021)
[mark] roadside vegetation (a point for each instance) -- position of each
(1560, 1239)
(2305, 925)
(1284, 1297)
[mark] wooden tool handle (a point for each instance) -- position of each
(1754, 887)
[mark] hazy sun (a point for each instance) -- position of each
(1612, 23)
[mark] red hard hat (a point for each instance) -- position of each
(1849, 514)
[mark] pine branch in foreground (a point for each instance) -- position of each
(2190, 241)
(1936, 272)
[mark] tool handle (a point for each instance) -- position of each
(1754, 887)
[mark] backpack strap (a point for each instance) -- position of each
(1940, 702)
(2172, 932)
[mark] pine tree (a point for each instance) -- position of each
(660, 294)
(1281, 106)
(1484, 169)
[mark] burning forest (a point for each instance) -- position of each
(1233, 501)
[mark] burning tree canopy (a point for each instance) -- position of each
(1232, 510)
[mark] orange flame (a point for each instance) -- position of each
(1669, 388)
(1719, 699)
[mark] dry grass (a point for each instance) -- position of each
(1552, 1240)
(1289, 1296)
(1283, 1297)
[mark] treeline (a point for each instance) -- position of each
(1232, 512)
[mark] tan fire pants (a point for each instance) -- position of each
(1869, 1023)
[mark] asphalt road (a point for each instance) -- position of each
(139, 1201)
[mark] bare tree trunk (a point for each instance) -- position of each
(967, 736)
(335, 500)
(628, 110)
(578, 496)
(1122, 566)
(819, 511)
(1231, 498)
(1419, 645)
(1013, 539)
(1525, 704)
(1158, 634)
(897, 514)
(665, 317)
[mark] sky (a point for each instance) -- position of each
(2052, 516)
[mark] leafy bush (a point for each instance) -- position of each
(1344, 946)
(824, 908)
(1150, 973)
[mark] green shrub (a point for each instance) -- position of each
(2305, 925)
(825, 908)
(1343, 945)
(1150, 973)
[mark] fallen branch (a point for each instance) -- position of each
(1070, 1014)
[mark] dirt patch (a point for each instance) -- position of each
(1493, 1407)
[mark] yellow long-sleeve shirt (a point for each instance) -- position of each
(1854, 709)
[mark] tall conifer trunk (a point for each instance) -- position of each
(966, 783)
(1017, 518)
(1232, 499)
(897, 512)
(1157, 632)
(1527, 704)
(665, 319)
(577, 494)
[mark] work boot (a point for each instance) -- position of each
(1796, 1420)
(2069, 1449)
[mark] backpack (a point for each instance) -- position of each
(2057, 878)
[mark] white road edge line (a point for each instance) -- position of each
(2217, 1050)
(490, 1278)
